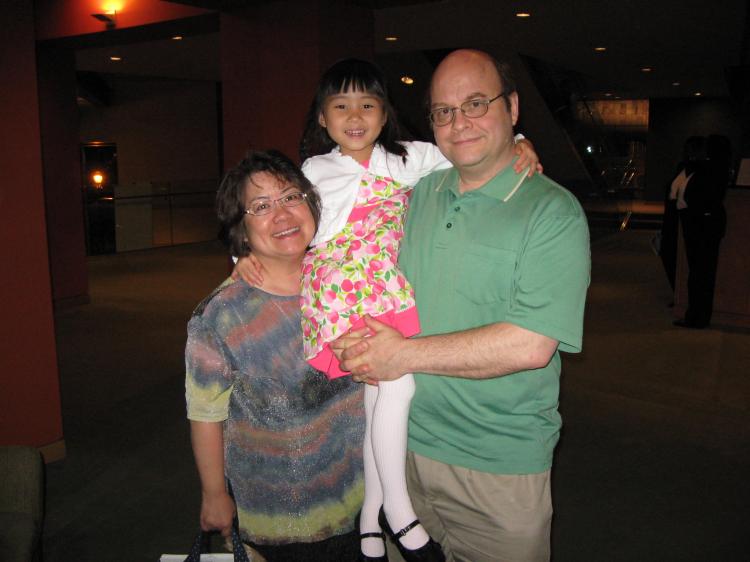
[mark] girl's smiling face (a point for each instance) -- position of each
(354, 120)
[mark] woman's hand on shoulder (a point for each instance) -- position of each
(217, 512)
(249, 269)
(527, 158)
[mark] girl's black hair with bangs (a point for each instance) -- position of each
(345, 75)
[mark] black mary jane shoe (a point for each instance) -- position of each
(428, 552)
(363, 557)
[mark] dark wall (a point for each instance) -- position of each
(271, 60)
(268, 62)
(58, 114)
(671, 121)
(165, 130)
(30, 396)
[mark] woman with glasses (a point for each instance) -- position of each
(274, 440)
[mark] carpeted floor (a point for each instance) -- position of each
(652, 464)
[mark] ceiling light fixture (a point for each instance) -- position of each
(115, 58)
(408, 80)
(698, 93)
(600, 49)
(391, 38)
(109, 19)
(675, 83)
(523, 15)
(177, 38)
(646, 69)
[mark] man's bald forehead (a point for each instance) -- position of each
(467, 55)
(461, 59)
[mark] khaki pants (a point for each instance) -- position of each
(478, 516)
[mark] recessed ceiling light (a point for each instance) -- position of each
(408, 80)
(608, 94)
(600, 49)
(115, 58)
(523, 15)
(177, 38)
(698, 93)
(391, 38)
(675, 83)
(646, 69)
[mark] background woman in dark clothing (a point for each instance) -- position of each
(693, 153)
(703, 226)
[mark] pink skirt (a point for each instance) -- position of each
(406, 322)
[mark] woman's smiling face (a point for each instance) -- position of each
(285, 232)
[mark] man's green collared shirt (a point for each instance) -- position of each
(501, 253)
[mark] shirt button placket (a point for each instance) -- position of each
(452, 216)
(444, 237)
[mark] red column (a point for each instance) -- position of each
(272, 58)
(30, 395)
(62, 174)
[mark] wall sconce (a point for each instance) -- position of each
(109, 19)
(98, 178)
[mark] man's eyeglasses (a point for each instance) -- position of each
(473, 108)
(264, 206)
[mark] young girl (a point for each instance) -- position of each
(364, 175)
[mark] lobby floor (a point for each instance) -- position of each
(652, 463)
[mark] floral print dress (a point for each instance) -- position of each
(356, 273)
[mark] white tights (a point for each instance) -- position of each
(387, 415)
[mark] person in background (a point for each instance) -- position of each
(691, 150)
(700, 203)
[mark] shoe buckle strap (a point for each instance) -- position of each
(379, 535)
(409, 527)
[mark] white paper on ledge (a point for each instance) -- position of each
(743, 176)
(204, 557)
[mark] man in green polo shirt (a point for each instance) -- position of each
(500, 265)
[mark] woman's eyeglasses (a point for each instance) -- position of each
(264, 206)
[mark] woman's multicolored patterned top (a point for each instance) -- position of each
(292, 438)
